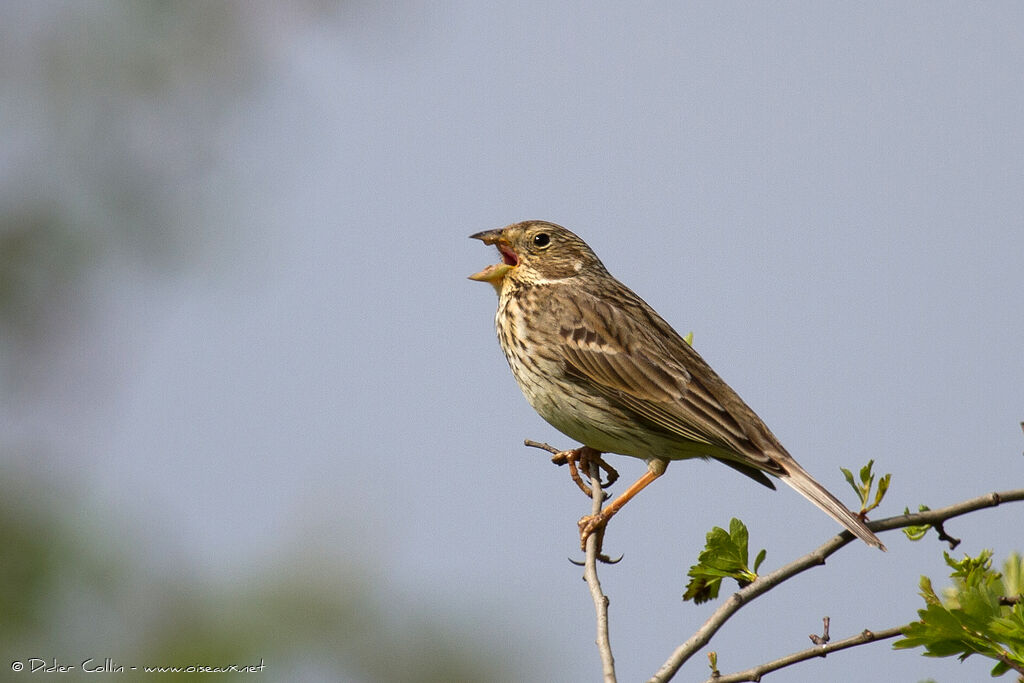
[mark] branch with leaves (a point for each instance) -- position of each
(726, 556)
(970, 618)
(750, 590)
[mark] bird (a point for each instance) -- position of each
(602, 367)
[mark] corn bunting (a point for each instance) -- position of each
(601, 366)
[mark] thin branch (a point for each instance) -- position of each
(1005, 659)
(814, 558)
(757, 672)
(590, 574)
(989, 500)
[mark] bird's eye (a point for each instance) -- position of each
(541, 240)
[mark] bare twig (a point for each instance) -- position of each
(823, 638)
(943, 536)
(757, 672)
(816, 557)
(590, 574)
(543, 446)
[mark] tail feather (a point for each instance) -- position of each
(804, 484)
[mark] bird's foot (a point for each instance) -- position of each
(589, 525)
(579, 460)
(594, 525)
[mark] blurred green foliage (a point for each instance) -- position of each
(73, 596)
(113, 119)
(981, 613)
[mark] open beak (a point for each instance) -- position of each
(496, 273)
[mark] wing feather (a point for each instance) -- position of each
(631, 355)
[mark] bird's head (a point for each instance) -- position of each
(536, 252)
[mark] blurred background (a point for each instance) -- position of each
(251, 410)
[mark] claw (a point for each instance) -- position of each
(613, 475)
(601, 557)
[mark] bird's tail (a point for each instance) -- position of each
(800, 480)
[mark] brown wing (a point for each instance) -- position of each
(632, 355)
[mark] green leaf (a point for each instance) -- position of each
(865, 473)
(928, 593)
(848, 475)
(916, 532)
(760, 558)
(883, 487)
(739, 536)
(867, 482)
(725, 555)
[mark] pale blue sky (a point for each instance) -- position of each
(830, 198)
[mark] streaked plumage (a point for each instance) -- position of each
(599, 364)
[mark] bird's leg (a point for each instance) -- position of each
(592, 523)
(580, 459)
(577, 459)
